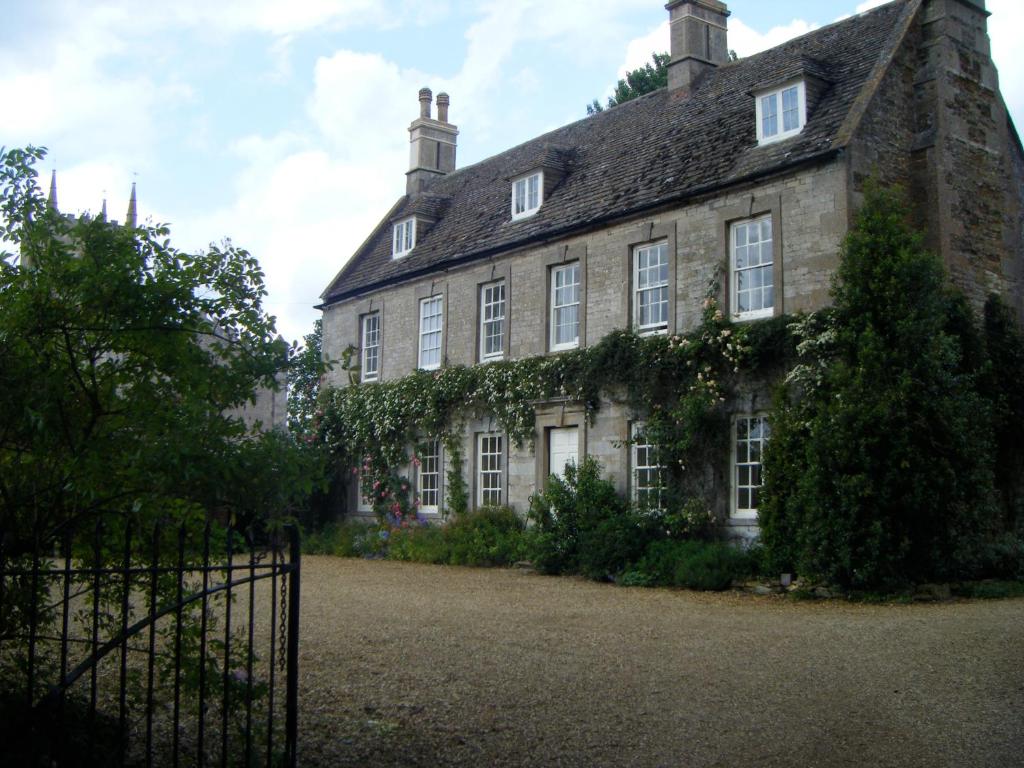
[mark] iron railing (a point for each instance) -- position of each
(163, 647)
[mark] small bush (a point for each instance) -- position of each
(350, 538)
(574, 516)
(419, 544)
(488, 536)
(698, 565)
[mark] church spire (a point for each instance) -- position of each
(51, 202)
(132, 217)
(103, 210)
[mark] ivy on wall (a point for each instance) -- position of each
(681, 384)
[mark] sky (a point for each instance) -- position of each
(282, 124)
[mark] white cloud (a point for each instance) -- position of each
(747, 41)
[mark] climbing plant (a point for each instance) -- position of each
(681, 384)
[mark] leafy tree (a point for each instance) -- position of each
(650, 77)
(304, 377)
(879, 469)
(121, 359)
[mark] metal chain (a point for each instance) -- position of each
(282, 632)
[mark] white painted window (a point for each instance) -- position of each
(752, 261)
(492, 321)
(490, 470)
(431, 329)
(428, 477)
(650, 288)
(370, 346)
(563, 449)
(750, 433)
(781, 113)
(404, 237)
(565, 306)
(647, 484)
(527, 195)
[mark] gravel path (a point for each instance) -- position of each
(414, 665)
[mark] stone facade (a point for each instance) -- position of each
(925, 114)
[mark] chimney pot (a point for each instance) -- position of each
(442, 107)
(426, 96)
(699, 40)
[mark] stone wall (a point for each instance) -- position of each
(809, 215)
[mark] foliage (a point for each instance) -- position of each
(681, 383)
(646, 79)
(492, 536)
(879, 467)
(581, 524)
(487, 536)
(123, 363)
(693, 564)
(1001, 386)
(304, 377)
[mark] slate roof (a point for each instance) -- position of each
(655, 150)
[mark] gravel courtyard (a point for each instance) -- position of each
(415, 665)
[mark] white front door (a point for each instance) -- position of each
(563, 448)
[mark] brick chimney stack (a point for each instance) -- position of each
(699, 34)
(431, 144)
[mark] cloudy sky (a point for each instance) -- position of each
(282, 123)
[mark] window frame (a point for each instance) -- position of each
(776, 97)
(770, 268)
(365, 376)
(736, 513)
(500, 473)
(438, 473)
(635, 432)
(364, 503)
(636, 291)
(403, 237)
(554, 307)
(525, 180)
(483, 356)
(438, 297)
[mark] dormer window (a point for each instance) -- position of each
(404, 238)
(781, 113)
(527, 195)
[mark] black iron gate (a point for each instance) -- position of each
(164, 647)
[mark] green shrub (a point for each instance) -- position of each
(879, 470)
(419, 544)
(608, 548)
(698, 565)
(567, 518)
(488, 536)
(351, 538)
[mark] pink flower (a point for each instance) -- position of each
(405, 487)
(355, 470)
(376, 484)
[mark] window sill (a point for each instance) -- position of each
(525, 214)
(760, 314)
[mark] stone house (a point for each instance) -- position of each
(622, 219)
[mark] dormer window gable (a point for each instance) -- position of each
(527, 194)
(781, 111)
(403, 237)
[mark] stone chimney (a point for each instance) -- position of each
(699, 32)
(431, 143)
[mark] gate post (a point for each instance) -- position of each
(292, 691)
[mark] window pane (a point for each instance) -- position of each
(565, 305)
(430, 332)
(790, 109)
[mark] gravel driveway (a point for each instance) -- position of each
(416, 665)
